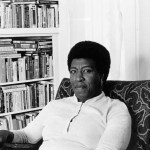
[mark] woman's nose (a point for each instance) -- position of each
(79, 76)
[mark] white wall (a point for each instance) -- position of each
(144, 39)
(82, 20)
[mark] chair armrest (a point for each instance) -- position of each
(21, 146)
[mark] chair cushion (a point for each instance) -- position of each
(64, 89)
(136, 95)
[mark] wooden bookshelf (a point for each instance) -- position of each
(48, 81)
(22, 32)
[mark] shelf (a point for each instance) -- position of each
(23, 32)
(23, 111)
(33, 92)
(27, 81)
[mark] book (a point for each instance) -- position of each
(35, 102)
(52, 92)
(25, 45)
(7, 47)
(25, 49)
(11, 88)
(33, 15)
(21, 119)
(24, 1)
(36, 66)
(51, 17)
(41, 88)
(26, 20)
(24, 41)
(30, 116)
(15, 123)
(4, 123)
(22, 68)
(8, 102)
(56, 14)
(10, 123)
(11, 55)
(7, 52)
(2, 106)
(51, 73)
(6, 41)
(2, 14)
(42, 65)
(13, 97)
(47, 90)
(15, 71)
(29, 96)
(9, 73)
(48, 1)
(2, 70)
(18, 100)
(44, 42)
(45, 46)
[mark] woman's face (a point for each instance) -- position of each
(84, 78)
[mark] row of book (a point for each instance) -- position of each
(25, 68)
(14, 98)
(32, 44)
(17, 121)
(29, 14)
(25, 59)
(20, 121)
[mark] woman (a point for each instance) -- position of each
(87, 121)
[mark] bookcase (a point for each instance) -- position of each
(29, 39)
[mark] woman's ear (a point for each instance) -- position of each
(102, 80)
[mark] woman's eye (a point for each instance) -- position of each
(72, 71)
(87, 71)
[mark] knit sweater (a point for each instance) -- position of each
(100, 123)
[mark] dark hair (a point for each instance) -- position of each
(94, 51)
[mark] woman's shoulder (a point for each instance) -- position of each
(117, 105)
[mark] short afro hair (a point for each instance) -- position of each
(91, 50)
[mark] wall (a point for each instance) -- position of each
(144, 39)
(121, 26)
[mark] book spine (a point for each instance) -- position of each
(2, 14)
(25, 45)
(24, 41)
(15, 71)
(2, 106)
(16, 1)
(3, 70)
(26, 21)
(36, 66)
(21, 69)
(4, 124)
(22, 15)
(39, 17)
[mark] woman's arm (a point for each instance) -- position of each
(32, 133)
(118, 129)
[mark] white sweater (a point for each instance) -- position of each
(100, 123)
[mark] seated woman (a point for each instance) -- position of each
(87, 121)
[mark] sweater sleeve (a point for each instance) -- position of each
(118, 129)
(19, 137)
(32, 133)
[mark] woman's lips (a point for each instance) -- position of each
(80, 87)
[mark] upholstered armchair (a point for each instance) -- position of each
(135, 94)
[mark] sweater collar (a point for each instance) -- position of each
(91, 100)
